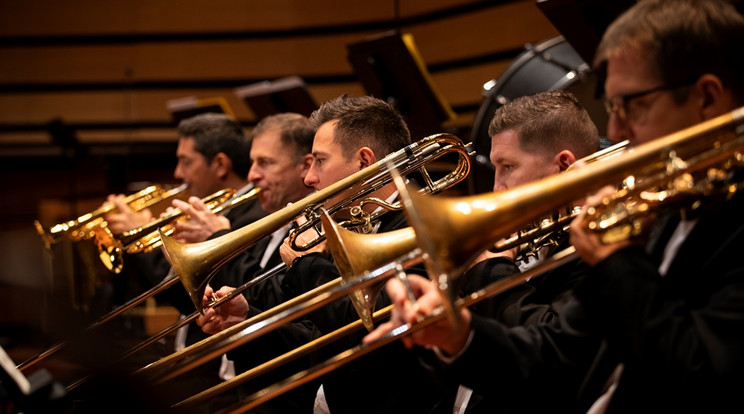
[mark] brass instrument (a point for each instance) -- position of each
(111, 247)
(209, 348)
(354, 253)
(82, 227)
(451, 231)
(544, 231)
(369, 179)
(164, 284)
(206, 257)
(646, 166)
(195, 263)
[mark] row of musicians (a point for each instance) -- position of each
(648, 324)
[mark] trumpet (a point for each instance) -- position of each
(142, 239)
(451, 231)
(82, 228)
(111, 247)
(195, 263)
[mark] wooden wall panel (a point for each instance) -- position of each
(190, 16)
(108, 71)
(474, 35)
(507, 27)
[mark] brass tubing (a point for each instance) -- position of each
(164, 284)
(209, 348)
(196, 263)
(258, 279)
(352, 354)
(281, 360)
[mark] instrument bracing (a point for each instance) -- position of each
(82, 227)
(196, 263)
(111, 247)
(452, 231)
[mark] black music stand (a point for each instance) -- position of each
(37, 393)
(289, 94)
(186, 107)
(390, 67)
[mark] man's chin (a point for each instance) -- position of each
(265, 204)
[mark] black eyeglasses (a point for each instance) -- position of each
(618, 104)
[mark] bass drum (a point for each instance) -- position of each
(549, 65)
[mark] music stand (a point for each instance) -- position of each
(390, 67)
(186, 107)
(289, 94)
(36, 393)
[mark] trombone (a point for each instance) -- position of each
(412, 158)
(196, 263)
(111, 247)
(355, 252)
(694, 165)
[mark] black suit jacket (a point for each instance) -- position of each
(150, 269)
(679, 337)
(539, 300)
(387, 381)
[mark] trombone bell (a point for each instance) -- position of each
(356, 253)
(452, 231)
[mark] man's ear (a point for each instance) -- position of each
(222, 164)
(305, 163)
(366, 157)
(564, 159)
(715, 99)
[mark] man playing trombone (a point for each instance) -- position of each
(280, 158)
(655, 326)
(212, 155)
(532, 137)
(352, 134)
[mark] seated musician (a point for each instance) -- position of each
(655, 325)
(352, 134)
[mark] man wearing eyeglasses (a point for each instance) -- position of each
(667, 314)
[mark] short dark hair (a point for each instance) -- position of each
(684, 39)
(364, 121)
(214, 133)
(548, 122)
(295, 131)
